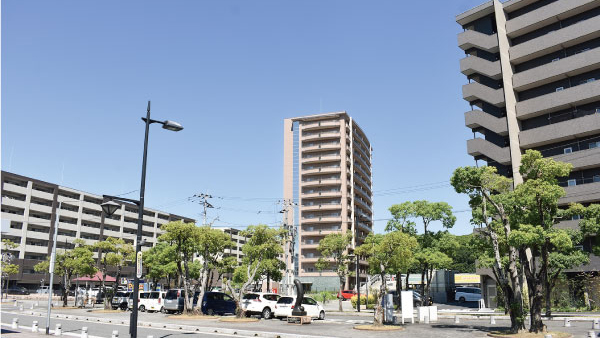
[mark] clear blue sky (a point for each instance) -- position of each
(76, 76)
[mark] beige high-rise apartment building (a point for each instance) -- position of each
(327, 176)
(533, 68)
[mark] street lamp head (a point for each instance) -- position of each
(172, 126)
(110, 207)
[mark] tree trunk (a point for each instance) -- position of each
(398, 283)
(268, 282)
(65, 290)
(378, 319)
(423, 282)
(407, 275)
(341, 298)
(186, 287)
(535, 310)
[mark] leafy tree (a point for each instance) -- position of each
(386, 254)
(264, 243)
(117, 253)
(8, 268)
(402, 220)
(210, 246)
(78, 261)
(589, 223)
(491, 201)
(184, 238)
(334, 255)
(160, 262)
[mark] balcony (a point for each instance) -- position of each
(319, 125)
(589, 192)
(322, 146)
(567, 98)
(317, 232)
(473, 64)
(322, 170)
(34, 193)
(557, 70)
(325, 218)
(324, 206)
(317, 136)
(22, 190)
(322, 194)
(36, 249)
(362, 182)
(556, 40)
(475, 119)
(469, 39)
(364, 193)
(562, 131)
(475, 90)
(479, 147)
(546, 15)
(583, 159)
(364, 227)
(331, 181)
(14, 203)
(323, 158)
(363, 204)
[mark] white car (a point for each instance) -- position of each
(285, 305)
(260, 303)
(149, 301)
(465, 294)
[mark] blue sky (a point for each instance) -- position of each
(76, 76)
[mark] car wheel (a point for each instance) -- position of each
(123, 307)
(461, 299)
(162, 310)
(142, 308)
(210, 312)
(266, 313)
(322, 315)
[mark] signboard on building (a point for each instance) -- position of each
(466, 278)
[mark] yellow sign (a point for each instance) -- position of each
(466, 278)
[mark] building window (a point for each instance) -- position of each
(571, 183)
(568, 150)
(596, 178)
(559, 89)
(554, 60)
(594, 145)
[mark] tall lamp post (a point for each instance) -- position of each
(110, 207)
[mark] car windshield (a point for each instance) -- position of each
(171, 294)
(121, 294)
(251, 296)
(272, 298)
(285, 300)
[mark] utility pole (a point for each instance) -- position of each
(290, 239)
(203, 200)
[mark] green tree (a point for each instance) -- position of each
(334, 255)
(491, 199)
(8, 268)
(263, 244)
(116, 253)
(185, 238)
(386, 254)
(78, 261)
(160, 262)
(402, 220)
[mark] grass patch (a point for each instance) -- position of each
(239, 320)
(379, 327)
(192, 317)
(504, 334)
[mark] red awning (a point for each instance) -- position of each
(96, 278)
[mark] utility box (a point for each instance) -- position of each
(388, 308)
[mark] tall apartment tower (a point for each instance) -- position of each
(532, 68)
(327, 176)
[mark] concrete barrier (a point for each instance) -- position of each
(567, 322)
(456, 320)
(492, 320)
(58, 330)
(547, 336)
(115, 334)
(596, 324)
(15, 323)
(591, 334)
(34, 326)
(84, 332)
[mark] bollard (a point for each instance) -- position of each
(596, 324)
(591, 334)
(21, 307)
(492, 320)
(15, 302)
(84, 333)
(34, 327)
(456, 320)
(567, 322)
(57, 331)
(37, 304)
(547, 336)
(426, 319)
(15, 323)
(31, 308)
(115, 334)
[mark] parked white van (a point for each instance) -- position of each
(149, 301)
(465, 294)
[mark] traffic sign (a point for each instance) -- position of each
(139, 265)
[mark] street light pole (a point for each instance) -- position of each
(51, 268)
(358, 284)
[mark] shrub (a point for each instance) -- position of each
(363, 301)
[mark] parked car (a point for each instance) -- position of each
(174, 300)
(17, 290)
(120, 300)
(346, 294)
(285, 305)
(259, 303)
(43, 289)
(467, 294)
(217, 303)
(148, 301)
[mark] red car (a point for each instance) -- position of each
(346, 294)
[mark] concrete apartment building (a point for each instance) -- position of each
(29, 208)
(532, 69)
(328, 177)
